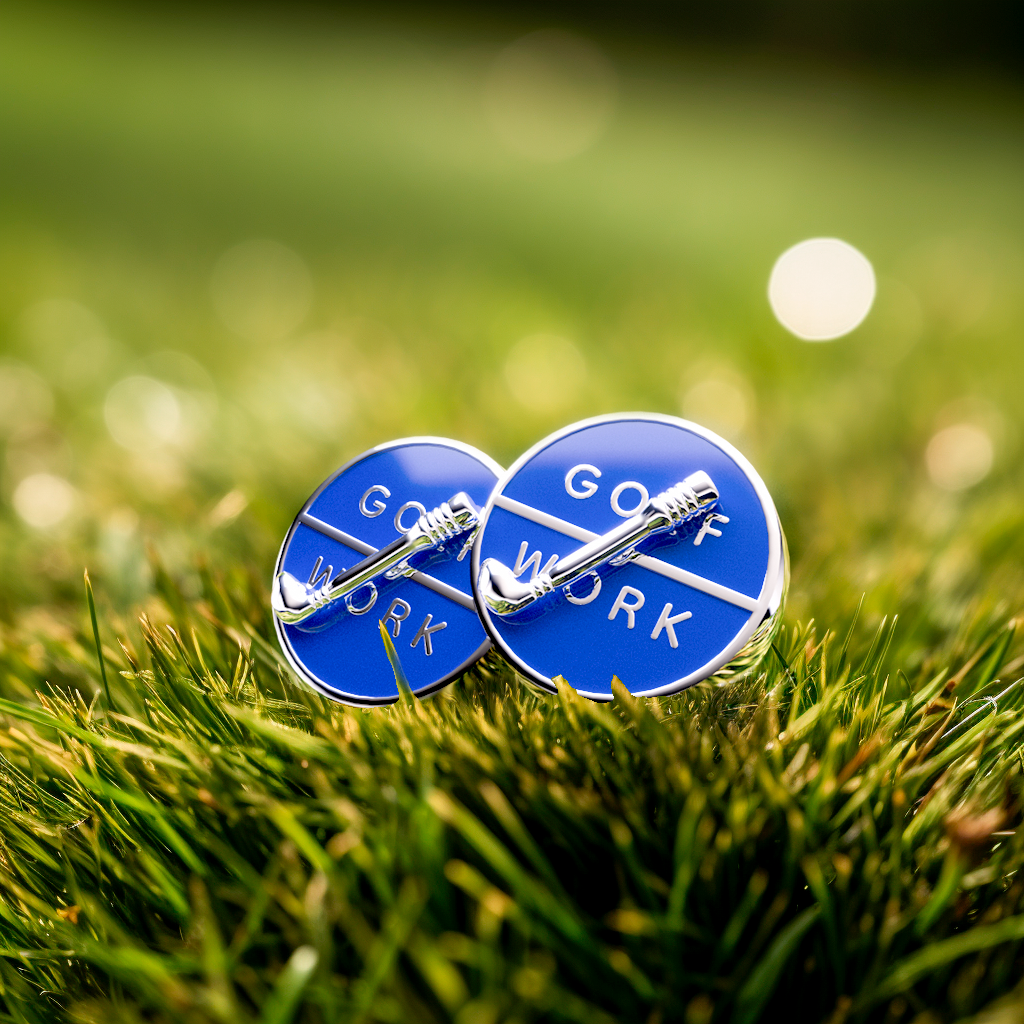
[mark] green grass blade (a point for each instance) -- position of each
(760, 985)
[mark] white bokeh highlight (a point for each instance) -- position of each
(959, 456)
(142, 414)
(821, 289)
(43, 500)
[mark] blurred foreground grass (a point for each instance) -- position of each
(235, 254)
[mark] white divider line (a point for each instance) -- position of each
(363, 548)
(439, 587)
(335, 534)
(543, 519)
(654, 564)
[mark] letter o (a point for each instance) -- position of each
(592, 596)
(354, 608)
(629, 485)
(398, 515)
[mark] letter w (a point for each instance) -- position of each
(535, 559)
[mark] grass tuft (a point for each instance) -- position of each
(831, 838)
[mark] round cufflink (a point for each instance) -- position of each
(637, 546)
(385, 540)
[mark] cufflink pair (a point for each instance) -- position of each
(636, 545)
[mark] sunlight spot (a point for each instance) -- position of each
(719, 403)
(123, 521)
(67, 341)
(959, 456)
(142, 414)
(43, 500)
(193, 389)
(821, 289)
(25, 398)
(262, 290)
(544, 372)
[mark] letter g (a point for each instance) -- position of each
(588, 486)
(378, 505)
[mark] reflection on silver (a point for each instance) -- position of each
(313, 606)
(592, 596)
(370, 601)
(505, 595)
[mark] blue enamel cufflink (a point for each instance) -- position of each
(386, 539)
(637, 546)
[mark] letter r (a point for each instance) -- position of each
(624, 605)
(397, 614)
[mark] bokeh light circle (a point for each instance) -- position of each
(959, 456)
(25, 398)
(43, 500)
(68, 341)
(142, 413)
(821, 289)
(544, 372)
(719, 403)
(262, 290)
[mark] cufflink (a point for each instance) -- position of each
(387, 540)
(638, 546)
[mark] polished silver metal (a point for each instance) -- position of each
(507, 596)
(312, 606)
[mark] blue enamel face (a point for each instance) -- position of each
(583, 483)
(432, 618)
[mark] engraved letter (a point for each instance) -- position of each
(592, 596)
(397, 614)
(629, 485)
(350, 603)
(425, 630)
(535, 559)
(588, 488)
(629, 609)
(398, 515)
(666, 620)
(706, 528)
(378, 505)
(317, 578)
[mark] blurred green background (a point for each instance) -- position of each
(240, 247)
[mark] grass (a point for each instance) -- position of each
(188, 835)
(831, 839)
